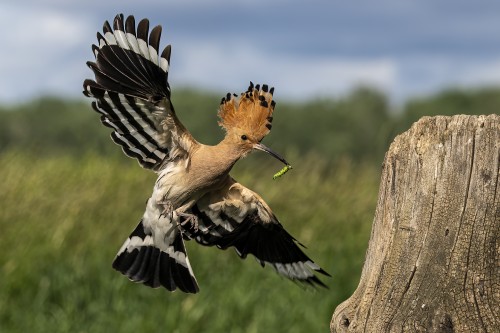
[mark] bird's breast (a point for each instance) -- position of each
(180, 183)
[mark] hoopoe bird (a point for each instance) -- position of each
(194, 197)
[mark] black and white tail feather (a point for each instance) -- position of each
(142, 260)
(132, 94)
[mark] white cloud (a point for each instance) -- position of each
(425, 75)
(484, 73)
(219, 67)
(37, 51)
(45, 46)
(331, 76)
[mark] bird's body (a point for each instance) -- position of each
(206, 171)
(194, 196)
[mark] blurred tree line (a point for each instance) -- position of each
(359, 126)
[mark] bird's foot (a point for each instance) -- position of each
(188, 219)
(168, 208)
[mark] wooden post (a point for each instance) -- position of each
(433, 261)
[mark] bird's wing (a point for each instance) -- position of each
(132, 93)
(238, 217)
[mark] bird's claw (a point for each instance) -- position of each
(168, 208)
(189, 219)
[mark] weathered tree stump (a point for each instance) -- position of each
(433, 261)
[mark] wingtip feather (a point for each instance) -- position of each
(118, 22)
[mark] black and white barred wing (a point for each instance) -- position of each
(132, 93)
(238, 217)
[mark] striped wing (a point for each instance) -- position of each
(132, 93)
(238, 217)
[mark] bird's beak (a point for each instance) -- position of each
(260, 146)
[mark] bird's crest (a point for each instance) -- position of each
(251, 112)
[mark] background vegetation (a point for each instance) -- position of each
(69, 199)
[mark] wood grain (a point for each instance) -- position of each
(433, 261)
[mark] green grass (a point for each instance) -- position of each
(63, 219)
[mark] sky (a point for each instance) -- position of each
(305, 49)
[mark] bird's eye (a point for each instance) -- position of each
(244, 137)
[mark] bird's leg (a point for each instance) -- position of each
(168, 208)
(187, 219)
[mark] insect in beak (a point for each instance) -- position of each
(260, 146)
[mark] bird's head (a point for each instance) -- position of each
(247, 119)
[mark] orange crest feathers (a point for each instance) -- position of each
(251, 112)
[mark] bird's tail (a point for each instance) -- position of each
(143, 261)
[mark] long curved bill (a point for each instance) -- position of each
(260, 146)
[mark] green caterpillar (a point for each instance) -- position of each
(282, 171)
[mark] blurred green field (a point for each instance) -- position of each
(64, 218)
(69, 198)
